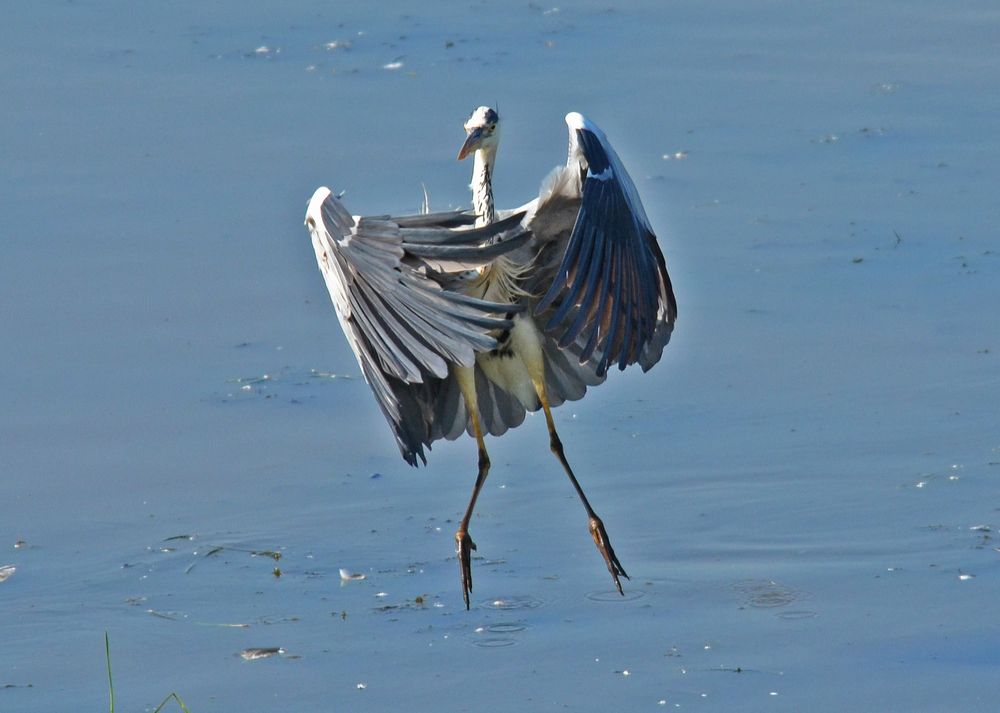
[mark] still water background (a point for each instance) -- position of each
(804, 490)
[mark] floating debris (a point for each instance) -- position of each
(886, 88)
(362, 686)
(249, 380)
(419, 603)
(347, 576)
(271, 620)
(261, 653)
(317, 374)
(338, 45)
(264, 51)
(515, 602)
(171, 615)
(676, 156)
(263, 553)
(6, 571)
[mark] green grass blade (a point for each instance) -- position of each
(167, 699)
(111, 683)
(107, 658)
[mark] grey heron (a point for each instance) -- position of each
(463, 322)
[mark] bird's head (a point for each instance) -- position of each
(482, 132)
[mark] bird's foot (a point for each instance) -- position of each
(463, 548)
(603, 543)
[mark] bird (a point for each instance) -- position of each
(463, 321)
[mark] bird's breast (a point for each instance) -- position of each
(506, 366)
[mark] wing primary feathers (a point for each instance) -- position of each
(479, 253)
(446, 219)
(597, 284)
(607, 296)
(632, 314)
(436, 236)
(580, 256)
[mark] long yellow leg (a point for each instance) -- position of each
(463, 542)
(596, 525)
(527, 340)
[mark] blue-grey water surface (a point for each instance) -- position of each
(805, 490)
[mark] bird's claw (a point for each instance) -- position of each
(463, 548)
(603, 543)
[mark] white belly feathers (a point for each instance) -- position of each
(517, 363)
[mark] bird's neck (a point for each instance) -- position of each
(482, 187)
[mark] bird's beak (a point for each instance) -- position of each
(471, 143)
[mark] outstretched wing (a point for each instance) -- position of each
(404, 328)
(610, 298)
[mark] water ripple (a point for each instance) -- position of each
(612, 595)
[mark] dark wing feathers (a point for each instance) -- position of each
(461, 253)
(446, 219)
(611, 293)
(424, 235)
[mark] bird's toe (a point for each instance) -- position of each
(603, 543)
(463, 548)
